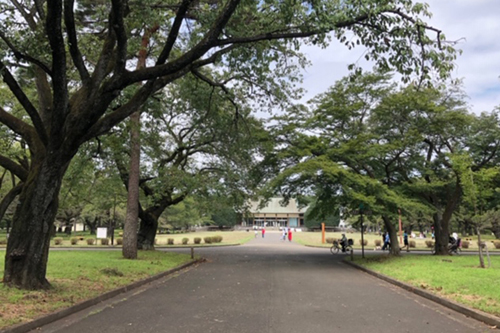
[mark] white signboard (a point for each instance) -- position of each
(102, 233)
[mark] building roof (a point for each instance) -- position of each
(273, 206)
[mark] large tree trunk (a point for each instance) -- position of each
(28, 245)
(393, 235)
(147, 231)
(441, 234)
(129, 249)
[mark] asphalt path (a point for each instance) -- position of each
(268, 285)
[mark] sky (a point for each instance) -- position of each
(474, 23)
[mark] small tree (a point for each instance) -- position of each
(477, 189)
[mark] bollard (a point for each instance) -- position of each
(192, 252)
(352, 254)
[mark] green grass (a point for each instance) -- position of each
(77, 276)
(228, 237)
(314, 239)
(460, 280)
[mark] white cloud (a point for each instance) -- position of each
(476, 24)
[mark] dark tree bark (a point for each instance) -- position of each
(147, 230)
(28, 245)
(393, 235)
(129, 248)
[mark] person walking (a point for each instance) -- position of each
(289, 235)
(405, 241)
(263, 231)
(283, 235)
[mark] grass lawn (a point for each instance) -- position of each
(77, 276)
(314, 239)
(458, 278)
(228, 237)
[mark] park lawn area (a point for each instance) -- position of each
(228, 237)
(80, 275)
(458, 278)
(314, 239)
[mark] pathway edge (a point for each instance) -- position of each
(465, 310)
(49, 318)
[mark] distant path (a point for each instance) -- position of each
(268, 285)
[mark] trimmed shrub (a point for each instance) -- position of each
(170, 241)
(412, 243)
(119, 241)
(429, 243)
(3, 241)
(465, 244)
(197, 240)
(58, 241)
(365, 242)
(329, 240)
(378, 242)
(497, 244)
(216, 239)
(90, 241)
(104, 241)
(185, 241)
(74, 240)
(208, 240)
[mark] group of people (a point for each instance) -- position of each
(287, 232)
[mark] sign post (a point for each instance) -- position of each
(400, 229)
(362, 231)
(323, 233)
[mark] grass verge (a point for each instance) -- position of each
(458, 278)
(80, 275)
(314, 239)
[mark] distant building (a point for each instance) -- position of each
(275, 215)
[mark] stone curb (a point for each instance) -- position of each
(469, 312)
(31, 325)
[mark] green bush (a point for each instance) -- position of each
(429, 244)
(58, 241)
(197, 240)
(3, 241)
(208, 240)
(216, 239)
(104, 241)
(74, 240)
(412, 243)
(365, 242)
(465, 244)
(378, 242)
(497, 244)
(90, 241)
(119, 241)
(329, 240)
(185, 241)
(170, 241)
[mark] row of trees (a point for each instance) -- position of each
(79, 69)
(389, 148)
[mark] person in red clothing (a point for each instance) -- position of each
(263, 231)
(290, 235)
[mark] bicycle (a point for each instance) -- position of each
(336, 247)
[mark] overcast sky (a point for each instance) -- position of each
(476, 23)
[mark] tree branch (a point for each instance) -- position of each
(26, 103)
(69, 22)
(21, 56)
(174, 31)
(16, 169)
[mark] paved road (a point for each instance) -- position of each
(268, 285)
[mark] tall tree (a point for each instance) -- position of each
(79, 67)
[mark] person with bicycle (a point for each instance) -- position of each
(343, 242)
